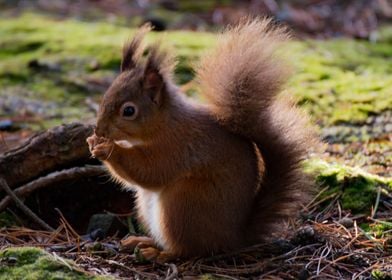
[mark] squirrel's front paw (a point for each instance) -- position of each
(102, 151)
(92, 141)
(99, 147)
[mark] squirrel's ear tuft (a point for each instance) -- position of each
(133, 50)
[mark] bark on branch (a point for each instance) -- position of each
(58, 148)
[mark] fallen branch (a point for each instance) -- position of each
(53, 179)
(58, 148)
(23, 207)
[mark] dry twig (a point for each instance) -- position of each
(23, 207)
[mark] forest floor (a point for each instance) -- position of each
(55, 71)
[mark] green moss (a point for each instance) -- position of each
(51, 60)
(7, 220)
(381, 275)
(357, 189)
(342, 80)
(34, 263)
(379, 228)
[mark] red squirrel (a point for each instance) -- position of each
(214, 177)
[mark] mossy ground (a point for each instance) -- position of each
(356, 188)
(343, 80)
(358, 192)
(34, 263)
(66, 61)
(61, 63)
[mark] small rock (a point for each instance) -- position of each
(346, 222)
(99, 225)
(97, 234)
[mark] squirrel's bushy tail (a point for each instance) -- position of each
(241, 78)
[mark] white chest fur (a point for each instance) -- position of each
(150, 209)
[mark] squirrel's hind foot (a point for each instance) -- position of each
(146, 249)
(156, 255)
(131, 242)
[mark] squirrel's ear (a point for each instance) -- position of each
(133, 50)
(153, 82)
(157, 73)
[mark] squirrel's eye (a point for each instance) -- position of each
(128, 110)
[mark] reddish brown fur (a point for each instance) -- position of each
(203, 163)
